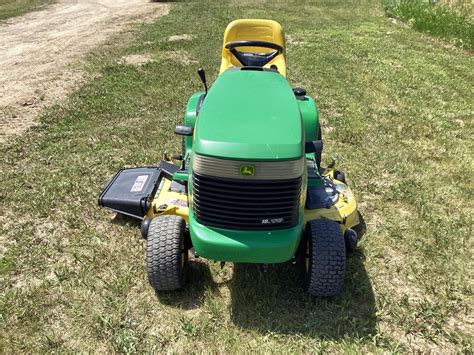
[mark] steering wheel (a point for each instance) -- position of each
(254, 59)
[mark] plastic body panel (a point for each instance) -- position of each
(190, 116)
(308, 110)
(309, 113)
(243, 246)
(250, 115)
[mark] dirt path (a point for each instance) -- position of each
(38, 52)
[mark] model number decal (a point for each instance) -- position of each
(139, 183)
(272, 220)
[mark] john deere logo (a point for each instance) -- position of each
(247, 170)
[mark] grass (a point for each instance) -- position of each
(398, 117)
(449, 20)
(11, 8)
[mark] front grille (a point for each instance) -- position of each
(246, 204)
(264, 170)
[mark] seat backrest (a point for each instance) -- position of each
(253, 30)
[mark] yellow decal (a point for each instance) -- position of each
(247, 170)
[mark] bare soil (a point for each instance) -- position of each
(40, 52)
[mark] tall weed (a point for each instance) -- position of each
(452, 21)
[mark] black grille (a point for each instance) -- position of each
(246, 204)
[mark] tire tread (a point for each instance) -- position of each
(328, 254)
(163, 253)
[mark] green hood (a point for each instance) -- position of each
(250, 115)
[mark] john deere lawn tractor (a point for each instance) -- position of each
(249, 186)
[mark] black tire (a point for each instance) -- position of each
(319, 154)
(166, 256)
(325, 259)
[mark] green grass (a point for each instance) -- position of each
(453, 21)
(11, 8)
(398, 117)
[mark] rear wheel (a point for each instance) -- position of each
(166, 255)
(324, 258)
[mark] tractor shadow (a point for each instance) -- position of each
(200, 285)
(126, 221)
(274, 301)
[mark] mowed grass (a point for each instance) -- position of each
(398, 117)
(11, 8)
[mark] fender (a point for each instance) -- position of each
(309, 114)
(191, 113)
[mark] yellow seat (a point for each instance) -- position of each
(254, 30)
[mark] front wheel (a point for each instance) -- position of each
(166, 255)
(324, 258)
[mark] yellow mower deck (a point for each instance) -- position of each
(169, 202)
(344, 210)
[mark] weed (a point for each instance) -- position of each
(450, 22)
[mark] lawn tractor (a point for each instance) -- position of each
(248, 186)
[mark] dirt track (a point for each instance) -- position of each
(39, 52)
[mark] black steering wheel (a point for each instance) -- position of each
(254, 59)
